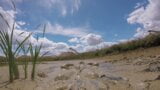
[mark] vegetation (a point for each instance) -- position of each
(11, 48)
(35, 53)
(6, 44)
(25, 51)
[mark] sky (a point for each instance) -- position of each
(83, 25)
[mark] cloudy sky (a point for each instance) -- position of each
(82, 24)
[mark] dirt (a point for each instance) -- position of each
(87, 75)
(135, 70)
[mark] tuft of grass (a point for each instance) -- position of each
(25, 51)
(35, 52)
(7, 46)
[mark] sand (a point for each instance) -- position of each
(97, 74)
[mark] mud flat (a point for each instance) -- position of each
(138, 74)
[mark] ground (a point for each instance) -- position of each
(139, 72)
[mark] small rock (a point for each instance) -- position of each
(158, 78)
(81, 63)
(67, 66)
(101, 76)
(125, 58)
(152, 56)
(115, 78)
(42, 75)
(158, 56)
(94, 64)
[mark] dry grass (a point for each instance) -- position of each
(138, 53)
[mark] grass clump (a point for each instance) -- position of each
(25, 51)
(10, 52)
(35, 53)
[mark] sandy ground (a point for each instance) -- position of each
(127, 74)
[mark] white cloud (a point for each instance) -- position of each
(141, 33)
(92, 39)
(57, 29)
(65, 6)
(74, 40)
(89, 42)
(148, 16)
(6, 15)
(138, 5)
(85, 48)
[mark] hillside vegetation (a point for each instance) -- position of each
(152, 40)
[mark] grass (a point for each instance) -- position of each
(35, 54)
(10, 52)
(25, 51)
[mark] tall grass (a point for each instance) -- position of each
(7, 46)
(35, 52)
(25, 51)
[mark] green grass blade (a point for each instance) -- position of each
(22, 43)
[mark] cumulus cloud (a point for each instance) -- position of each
(89, 39)
(89, 42)
(74, 40)
(85, 48)
(148, 16)
(58, 29)
(92, 39)
(141, 33)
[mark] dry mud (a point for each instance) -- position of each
(139, 74)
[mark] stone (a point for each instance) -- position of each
(153, 67)
(67, 66)
(42, 75)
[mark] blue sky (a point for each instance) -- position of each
(85, 24)
(105, 17)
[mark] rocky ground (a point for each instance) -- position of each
(126, 74)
